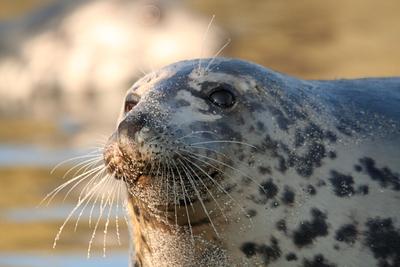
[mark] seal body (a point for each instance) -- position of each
(232, 164)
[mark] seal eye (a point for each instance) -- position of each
(222, 97)
(130, 104)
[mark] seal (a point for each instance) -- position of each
(228, 163)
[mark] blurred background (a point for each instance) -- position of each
(66, 64)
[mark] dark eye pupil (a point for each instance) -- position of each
(222, 98)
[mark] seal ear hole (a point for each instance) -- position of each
(222, 97)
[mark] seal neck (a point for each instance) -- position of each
(156, 242)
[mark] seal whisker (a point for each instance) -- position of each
(117, 211)
(185, 192)
(89, 155)
(223, 141)
(195, 155)
(84, 163)
(189, 176)
(87, 202)
(209, 149)
(50, 196)
(174, 191)
(96, 199)
(164, 176)
(102, 207)
(207, 189)
(204, 40)
(113, 188)
(81, 180)
(217, 54)
(196, 132)
(184, 200)
(222, 189)
(73, 211)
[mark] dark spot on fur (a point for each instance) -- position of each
(260, 126)
(269, 189)
(282, 121)
(251, 213)
(384, 175)
(363, 190)
(281, 164)
(281, 225)
(299, 138)
(264, 170)
(311, 190)
(270, 253)
(384, 241)
(332, 155)
(347, 233)
(288, 196)
(358, 168)
(330, 136)
(291, 257)
(318, 261)
(309, 230)
(249, 249)
(314, 132)
(306, 163)
(342, 184)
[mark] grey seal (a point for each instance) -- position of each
(228, 163)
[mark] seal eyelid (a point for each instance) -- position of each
(222, 97)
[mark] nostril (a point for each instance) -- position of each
(131, 125)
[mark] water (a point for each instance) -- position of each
(32, 155)
(62, 260)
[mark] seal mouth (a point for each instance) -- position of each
(132, 168)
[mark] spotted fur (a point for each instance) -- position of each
(293, 173)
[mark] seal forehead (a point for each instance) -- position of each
(242, 83)
(146, 83)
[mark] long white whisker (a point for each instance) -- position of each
(208, 190)
(195, 155)
(53, 193)
(216, 54)
(223, 141)
(73, 211)
(199, 196)
(89, 155)
(184, 200)
(87, 202)
(101, 208)
(221, 188)
(204, 39)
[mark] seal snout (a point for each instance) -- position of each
(120, 160)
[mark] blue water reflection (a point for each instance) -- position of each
(114, 258)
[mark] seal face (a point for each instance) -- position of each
(229, 163)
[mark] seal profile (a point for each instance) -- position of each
(229, 163)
